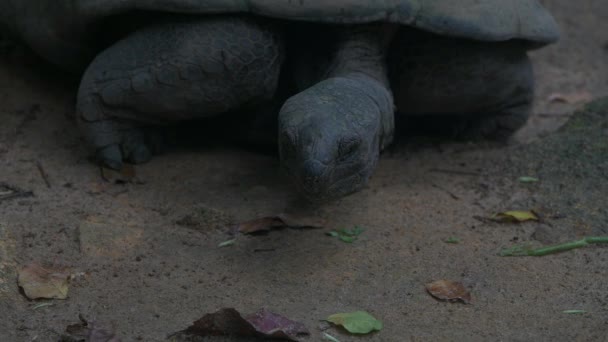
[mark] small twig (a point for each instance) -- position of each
(456, 172)
(483, 219)
(227, 243)
(13, 192)
(527, 251)
(43, 174)
(17, 195)
(42, 304)
(446, 191)
(330, 338)
(257, 250)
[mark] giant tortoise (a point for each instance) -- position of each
(349, 65)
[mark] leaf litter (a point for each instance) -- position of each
(262, 324)
(358, 322)
(38, 281)
(574, 312)
(125, 175)
(330, 338)
(541, 251)
(88, 331)
(227, 243)
(282, 220)
(348, 235)
(449, 291)
(527, 179)
(515, 216)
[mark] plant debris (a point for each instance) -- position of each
(348, 235)
(330, 338)
(449, 291)
(574, 312)
(515, 216)
(8, 192)
(43, 282)
(87, 331)
(529, 251)
(527, 179)
(575, 97)
(123, 176)
(263, 324)
(227, 243)
(42, 305)
(358, 322)
(452, 240)
(279, 221)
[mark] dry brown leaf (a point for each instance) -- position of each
(263, 323)
(125, 175)
(88, 331)
(449, 290)
(576, 97)
(260, 225)
(279, 221)
(43, 282)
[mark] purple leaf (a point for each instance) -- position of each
(263, 323)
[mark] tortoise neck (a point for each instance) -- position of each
(362, 50)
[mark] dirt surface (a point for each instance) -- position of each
(147, 263)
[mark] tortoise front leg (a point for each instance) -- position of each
(186, 69)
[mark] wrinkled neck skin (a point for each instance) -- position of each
(361, 51)
(331, 134)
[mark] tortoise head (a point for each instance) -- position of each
(330, 137)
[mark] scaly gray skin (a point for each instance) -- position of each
(184, 69)
(331, 133)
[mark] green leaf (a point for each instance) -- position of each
(356, 231)
(452, 240)
(516, 216)
(348, 235)
(358, 322)
(526, 179)
(347, 239)
(227, 243)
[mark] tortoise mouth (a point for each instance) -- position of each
(321, 183)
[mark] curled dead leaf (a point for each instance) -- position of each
(260, 225)
(282, 220)
(449, 291)
(88, 331)
(43, 282)
(229, 321)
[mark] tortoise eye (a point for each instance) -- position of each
(347, 147)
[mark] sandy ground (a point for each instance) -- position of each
(147, 259)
